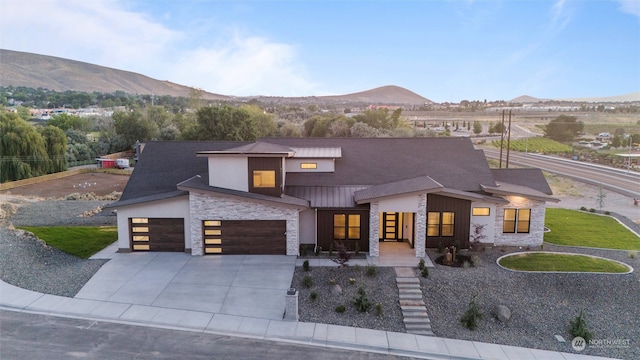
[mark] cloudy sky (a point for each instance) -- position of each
(442, 50)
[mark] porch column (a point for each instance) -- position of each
(374, 223)
(421, 226)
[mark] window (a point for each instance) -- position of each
(516, 220)
(346, 226)
(480, 211)
(212, 236)
(139, 234)
(264, 178)
(308, 165)
(440, 223)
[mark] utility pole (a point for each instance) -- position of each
(508, 139)
(501, 138)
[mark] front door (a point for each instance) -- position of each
(390, 226)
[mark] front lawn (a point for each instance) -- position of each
(81, 241)
(577, 228)
(540, 261)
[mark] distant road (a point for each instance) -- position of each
(618, 180)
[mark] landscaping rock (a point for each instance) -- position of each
(502, 313)
(336, 290)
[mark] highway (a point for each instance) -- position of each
(621, 181)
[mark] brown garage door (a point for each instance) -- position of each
(157, 234)
(245, 237)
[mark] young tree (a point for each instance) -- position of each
(477, 127)
(24, 154)
(264, 122)
(55, 142)
(132, 126)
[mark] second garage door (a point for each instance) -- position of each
(157, 234)
(245, 237)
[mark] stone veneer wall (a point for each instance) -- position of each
(374, 228)
(534, 237)
(421, 226)
(207, 207)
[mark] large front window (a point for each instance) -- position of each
(264, 178)
(346, 226)
(440, 223)
(516, 220)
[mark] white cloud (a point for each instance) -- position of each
(561, 14)
(107, 33)
(630, 6)
(245, 65)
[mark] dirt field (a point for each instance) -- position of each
(97, 183)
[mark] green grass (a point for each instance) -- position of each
(561, 262)
(81, 241)
(577, 228)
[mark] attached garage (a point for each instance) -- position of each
(245, 237)
(157, 234)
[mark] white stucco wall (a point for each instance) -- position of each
(223, 207)
(488, 221)
(177, 207)
(535, 237)
(229, 172)
(399, 203)
(324, 165)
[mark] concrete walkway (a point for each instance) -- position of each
(162, 303)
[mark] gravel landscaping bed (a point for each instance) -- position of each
(542, 304)
(380, 289)
(62, 213)
(28, 263)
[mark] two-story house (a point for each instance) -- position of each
(276, 195)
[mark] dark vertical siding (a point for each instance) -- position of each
(325, 228)
(462, 210)
(164, 234)
(266, 163)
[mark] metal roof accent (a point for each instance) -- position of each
(326, 196)
(317, 152)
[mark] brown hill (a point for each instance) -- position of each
(389, 94)
(53, 73)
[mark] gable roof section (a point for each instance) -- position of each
(530, 177)
(506, 189)
(452, 162)
(163, 164)
(421, 184)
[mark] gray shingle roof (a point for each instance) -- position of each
(420, 184)
(529, 177)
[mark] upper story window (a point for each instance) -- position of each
(516, 220)
(264, 178)
(481, 211)
(309, 165)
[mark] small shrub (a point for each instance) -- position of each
(472, 316)
(440, 247)
(356, 248)
(303, 250)
(318, 250)
(583, 208)
(466, 264)
(307, 281)
(352, 281)
(372, 270)
(632, 255)
(475, 261)
(332, 281)
(425, 272)
(379, 309)
(305, 265)
(362, 302)
(331, 249)
(340, 309)
(579, 327)
(421, 264)
(343, 254)
(592, 210)
(607, 212)
(313, 296)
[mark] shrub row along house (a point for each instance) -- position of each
(278, 194)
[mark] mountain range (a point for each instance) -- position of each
(58, 74)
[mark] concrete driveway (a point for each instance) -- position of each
(246, 285)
